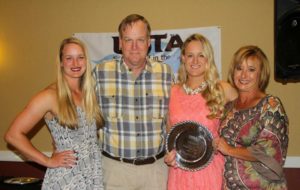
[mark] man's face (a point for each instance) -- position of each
(134, 44)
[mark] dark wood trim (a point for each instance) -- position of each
(292, 176)
(24, 169)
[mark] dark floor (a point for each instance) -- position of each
(29, 169)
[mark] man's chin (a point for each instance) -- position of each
(136, 61)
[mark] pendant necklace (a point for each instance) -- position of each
(198, 90)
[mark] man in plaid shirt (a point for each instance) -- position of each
(133, 94)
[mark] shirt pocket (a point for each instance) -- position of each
(159, 108)
(110, 107)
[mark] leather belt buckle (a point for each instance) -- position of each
(141, 161)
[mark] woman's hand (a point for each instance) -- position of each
(221, 145)
(65, 159)
(237, 152)
(170, 158)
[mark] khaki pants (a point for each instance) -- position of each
(124, 176)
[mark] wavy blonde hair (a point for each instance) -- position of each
(213, 94)
(67, 113)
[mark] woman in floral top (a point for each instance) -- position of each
(254, 131)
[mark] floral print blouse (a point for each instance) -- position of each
(263, 130)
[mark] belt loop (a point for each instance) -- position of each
(155, 158)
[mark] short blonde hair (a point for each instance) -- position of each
(245, 53)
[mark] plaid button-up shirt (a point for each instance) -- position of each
(134, 108)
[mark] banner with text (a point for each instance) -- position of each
(165, 45)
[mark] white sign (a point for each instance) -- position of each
(165, 45)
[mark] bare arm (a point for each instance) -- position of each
(39, 105)
(237, 152)
(229, 91)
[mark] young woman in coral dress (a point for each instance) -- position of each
(200, 97)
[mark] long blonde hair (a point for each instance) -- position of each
(213, 94)
(67, 113)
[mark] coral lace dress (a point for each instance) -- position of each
(185, 107)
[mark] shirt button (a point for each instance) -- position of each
(136, 100)
(137, 117)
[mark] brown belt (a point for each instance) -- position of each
(137, 161)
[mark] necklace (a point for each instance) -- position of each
(198, 90)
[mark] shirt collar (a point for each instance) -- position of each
(148, 67)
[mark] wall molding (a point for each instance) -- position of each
(291, 161)
(14, 156)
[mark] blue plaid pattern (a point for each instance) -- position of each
(134, 108)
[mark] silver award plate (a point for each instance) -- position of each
(193, 144)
